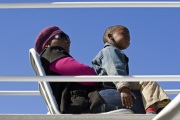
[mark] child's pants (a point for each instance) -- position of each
(151, 93)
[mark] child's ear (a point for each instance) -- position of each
(110, 36)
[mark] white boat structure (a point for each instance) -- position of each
(170, 112)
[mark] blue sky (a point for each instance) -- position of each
(154, 48)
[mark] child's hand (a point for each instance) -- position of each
(126, 97)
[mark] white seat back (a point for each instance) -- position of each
(44, 87)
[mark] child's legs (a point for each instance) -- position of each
(135, 85)
(152, 93)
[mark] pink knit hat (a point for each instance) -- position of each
(44, 36)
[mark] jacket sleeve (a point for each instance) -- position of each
(71, 67)
(114, 64)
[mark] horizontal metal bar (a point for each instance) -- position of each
(163, 78)
(175, 91)
(35, 93)
(114, 116)
(19, 93)
(90, 5)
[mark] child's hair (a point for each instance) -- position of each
(111, 30)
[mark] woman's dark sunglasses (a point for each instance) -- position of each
(61, 36)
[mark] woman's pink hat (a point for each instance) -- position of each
(44, 36)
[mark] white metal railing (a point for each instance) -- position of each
(19, 93)
(89, 5)
(37, 93)
(170, 112)
(162, 78)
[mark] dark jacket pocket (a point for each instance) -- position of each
(79, 98)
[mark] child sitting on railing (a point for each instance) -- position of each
(112, 61)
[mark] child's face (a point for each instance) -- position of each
(121, 38)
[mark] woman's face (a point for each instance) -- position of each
(62, 43)
(61, 40)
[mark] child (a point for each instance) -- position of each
(112, 61)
